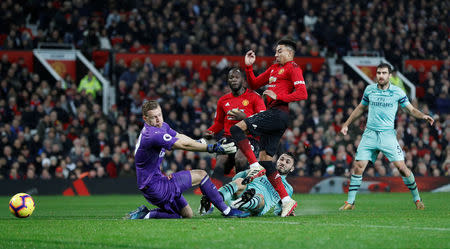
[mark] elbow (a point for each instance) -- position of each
(181, 144)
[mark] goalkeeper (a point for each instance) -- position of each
(257, 197)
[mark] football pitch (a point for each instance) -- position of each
(379, 221)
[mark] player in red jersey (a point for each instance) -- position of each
(237, 105)
(285, 84)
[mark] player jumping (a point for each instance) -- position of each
(382, 100)
(165, 192)
(231, 108)
(285, 84)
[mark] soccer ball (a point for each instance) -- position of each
(21, 205)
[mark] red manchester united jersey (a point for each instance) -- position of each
(249, 102)
(285, 81)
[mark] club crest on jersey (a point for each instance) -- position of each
(167, 137)
(245, 102)
(281, 71)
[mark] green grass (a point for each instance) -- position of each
(379, 221)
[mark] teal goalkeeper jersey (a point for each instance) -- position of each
(263, 186)
(383, 106)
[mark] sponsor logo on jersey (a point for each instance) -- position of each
(227, 104)
(299, 82)
(162, 153)
(245, 102)
(281, 71)
(271, 85)
(167, 137)
(272, 79)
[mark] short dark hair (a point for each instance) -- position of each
(294, 158)
(385, 65)
(149, 105)
(236, 69)
(288, 42)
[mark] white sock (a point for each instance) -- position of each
(285, 199)
(226, 211)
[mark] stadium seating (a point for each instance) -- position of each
(46, 130)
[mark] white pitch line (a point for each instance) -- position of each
(287, 222)
(349, 225)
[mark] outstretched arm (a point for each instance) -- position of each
(360, 109)
(186, 143)
(418, 114)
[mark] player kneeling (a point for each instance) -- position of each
(257, 197)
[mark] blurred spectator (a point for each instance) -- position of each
(90, 85)
(396, 81)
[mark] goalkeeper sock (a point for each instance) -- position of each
(160, 214)
(274, 178)
(410, 182)
(227, 191)
(210, 190)
(355, 183)
(252, 204)
(243, 143)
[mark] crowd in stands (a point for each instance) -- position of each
(48, 131)
(51, 132)
(396, 29)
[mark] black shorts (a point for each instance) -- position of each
(270, 125)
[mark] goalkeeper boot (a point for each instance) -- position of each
(206, 206)
(139, 213)
(288, 208)
(419, 205)
(347, 206)
(236, 213)
(253, 173)
(245, 197)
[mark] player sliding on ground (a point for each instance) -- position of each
(232, 108)
(382, 100)
(258, 197)
(165, 192)
(285, 84)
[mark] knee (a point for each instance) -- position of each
(403, 169)
(197, 176)
(202, 173)
(358, 168)
(235, 129)
(188, 214)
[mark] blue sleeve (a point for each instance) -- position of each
(241, 174)
(365, 98)
(403, 99)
